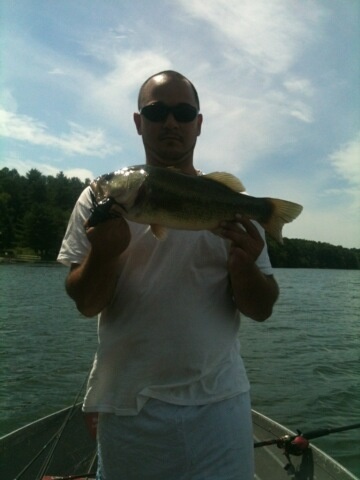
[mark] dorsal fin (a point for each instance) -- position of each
(226, 179)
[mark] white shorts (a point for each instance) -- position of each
(171, 442)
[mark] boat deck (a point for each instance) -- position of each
(24, 451)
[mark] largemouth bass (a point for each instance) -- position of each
(167, 198)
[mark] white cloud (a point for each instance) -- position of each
(24, 166)
(269, 34)
(81, 173)
(329, 226)
(346, 161)
(104, 46)
(301, 111)
(7, 99)
(80, 141)
(299, 85)
(57, 71)
(240, 133)
(113, 95)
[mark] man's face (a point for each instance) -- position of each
(168, 142)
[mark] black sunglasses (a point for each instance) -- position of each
(158, 112)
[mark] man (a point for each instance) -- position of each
(168, 379)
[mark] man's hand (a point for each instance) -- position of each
(246, 242)
(110, 238)
(92, 284)
(254, 293)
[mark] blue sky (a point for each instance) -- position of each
(278, 82)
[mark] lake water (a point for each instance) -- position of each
(303, 363)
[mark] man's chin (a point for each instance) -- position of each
(170, 156)
(170, 161)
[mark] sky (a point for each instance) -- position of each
(278, 82)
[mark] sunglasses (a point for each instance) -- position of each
(158, 112)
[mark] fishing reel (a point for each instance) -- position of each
(297, 446)
(293, 445)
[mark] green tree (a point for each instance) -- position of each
(11, 205)
(40, 230)
(7, 235)
(35, 187)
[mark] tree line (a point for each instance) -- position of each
(35, 209)
(297, 253)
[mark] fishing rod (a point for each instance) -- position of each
(297, 444)
(61, 431)
(82, 476)
(53, 441)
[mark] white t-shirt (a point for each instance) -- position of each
(171, 329)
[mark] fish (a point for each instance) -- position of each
(169, 198)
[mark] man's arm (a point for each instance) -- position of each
(255, 293)
(92, 283)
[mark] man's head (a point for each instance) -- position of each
(169, 120)
(171, 74)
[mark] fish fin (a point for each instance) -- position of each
(226, 179)
(282, 212)
(159, 231)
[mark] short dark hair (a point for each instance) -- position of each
(171, 74)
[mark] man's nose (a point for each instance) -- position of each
(170, 121)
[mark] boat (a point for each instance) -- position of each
(63, 446)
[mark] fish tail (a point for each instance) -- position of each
(282, 212)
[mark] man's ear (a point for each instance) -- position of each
(199, 120)
(137, 120)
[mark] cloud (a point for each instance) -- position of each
(300, 86)
(24, 166)
(301, 111)
(346, 161)
(241, 133)
(113, 95)
(57, 71)
(79, 141)
(346, 164)
(81, 173)
(8, 100)
(268, 34)
(330, 226)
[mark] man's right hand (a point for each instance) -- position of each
(92, 284)
(109, 239)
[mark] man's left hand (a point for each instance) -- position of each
(246, 242)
